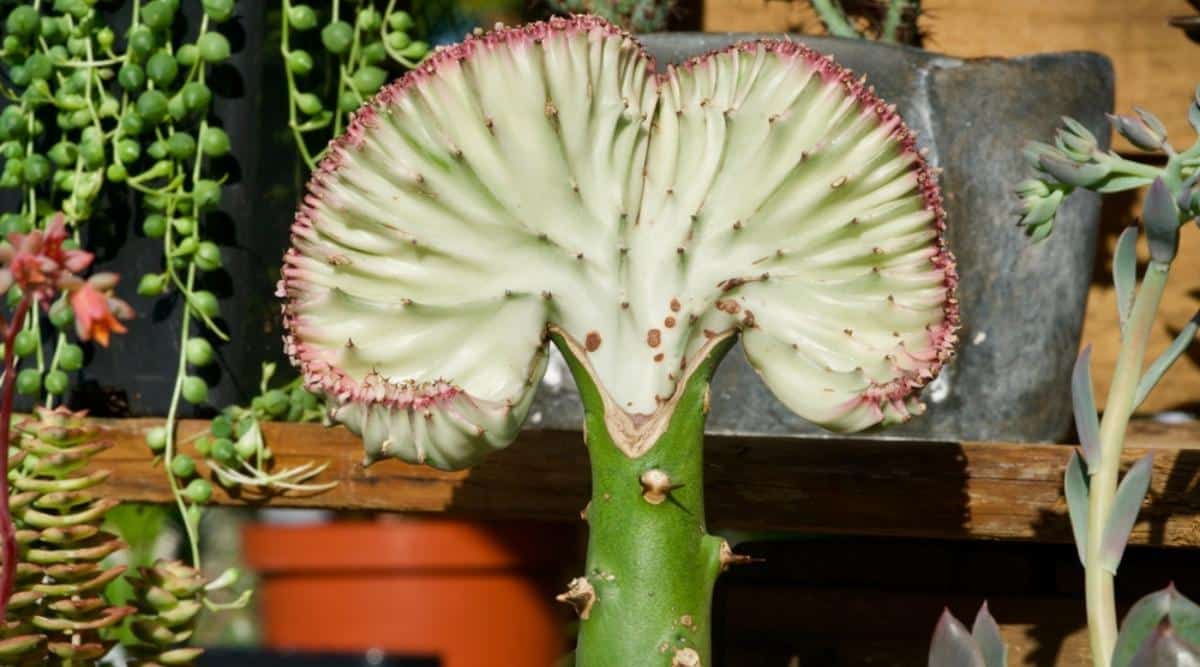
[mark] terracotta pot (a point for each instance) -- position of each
(473, 594)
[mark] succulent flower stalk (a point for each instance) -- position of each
(545, 183)
(1103, 510)
(58, 612)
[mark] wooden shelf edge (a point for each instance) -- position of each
(956, 490)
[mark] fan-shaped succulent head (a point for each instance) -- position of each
(546, 179)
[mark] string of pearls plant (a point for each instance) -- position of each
(358, 41)
(111, 98)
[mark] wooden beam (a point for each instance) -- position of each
(975, 490)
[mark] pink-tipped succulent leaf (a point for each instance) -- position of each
(545, 177)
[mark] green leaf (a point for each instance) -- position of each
(1194, 115)
(987, 637)
(1076, 489)
(1185, 618)
(1126, 506)
(953, 645)
(1125, 272)
(1139, 623)
(1161, 218)
(1083, 401)
(268, 371)
(1165, 649)
(1164, 361)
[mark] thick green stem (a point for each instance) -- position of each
(646, 596)
(1101, 607)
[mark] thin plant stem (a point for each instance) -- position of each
(1098, 582)
(834, 18)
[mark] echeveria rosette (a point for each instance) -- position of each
(1076, 161)
(544, 178)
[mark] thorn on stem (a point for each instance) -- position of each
(729, 559)
(686, 657)
(581, 595)
(656, 486)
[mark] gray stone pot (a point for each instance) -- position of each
(1022, 305)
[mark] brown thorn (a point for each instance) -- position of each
(581, 595)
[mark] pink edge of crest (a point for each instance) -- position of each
(942, 336)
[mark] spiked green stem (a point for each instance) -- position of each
(1101, 607)
(646, 597)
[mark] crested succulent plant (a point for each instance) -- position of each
(634, 15)
(169, 602)
(543, 183)
(57, 614)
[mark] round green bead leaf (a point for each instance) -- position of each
(70, 357)
(29, 382)
(195, 390)
(25, 343)
(214, 47)
(199, 352)
(56, 383)
(337, 37)
(218, 10)
(183, 465)
(156, 439)
(302, 17)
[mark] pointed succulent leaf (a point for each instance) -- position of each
(1164, 648)
(986, 634)
(1126, 505)
(1083, 400)
(1139, 623)
(1034, 151)
(1163, 363)
(1137, 132)
(1124, 270)
(1077, 149)
(1156, 126)
(1185, 618)
(545, 178)
(1077, 129)
(953, 645)
(1121, 183)
(1040, 232)
(1186, 190)
(1194, 111)
(1032, 187)
(1074, 174)
(1161, 217)
(1039, 210)
(1075, 486)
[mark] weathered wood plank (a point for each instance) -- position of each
(970, 490)
(1157, 67)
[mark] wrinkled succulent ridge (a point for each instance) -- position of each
(545, 175)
